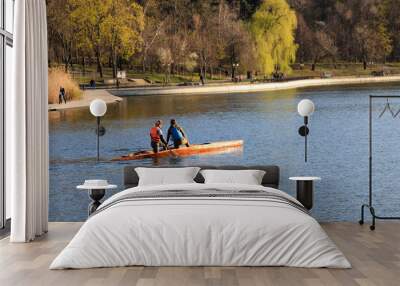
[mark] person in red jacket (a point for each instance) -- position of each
(157, 138)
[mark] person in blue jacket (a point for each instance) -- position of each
(178, 136)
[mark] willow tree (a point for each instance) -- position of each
(273, 28)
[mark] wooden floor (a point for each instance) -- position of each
(375, 257)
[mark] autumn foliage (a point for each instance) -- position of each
(220, 36)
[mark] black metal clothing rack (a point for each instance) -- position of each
(369, 205)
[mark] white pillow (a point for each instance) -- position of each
(247, 177)
(166, 176)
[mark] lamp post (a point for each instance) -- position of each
(305, 108)
(98, 108)
(234, 67)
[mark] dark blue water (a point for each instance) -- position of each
(267, 122)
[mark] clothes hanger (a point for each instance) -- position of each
(387, 107)
(397, 113)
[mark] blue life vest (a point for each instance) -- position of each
(176, 134)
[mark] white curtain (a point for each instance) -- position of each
(27, 124)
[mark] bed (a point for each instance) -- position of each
(199, 224)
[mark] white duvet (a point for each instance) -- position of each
(202, 232)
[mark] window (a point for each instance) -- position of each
(6, 65)
(9, 15)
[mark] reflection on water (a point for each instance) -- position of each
(267, 122)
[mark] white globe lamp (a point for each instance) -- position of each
(98, 109)
(305, 108)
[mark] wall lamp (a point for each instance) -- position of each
(305, 108)
(98, 108)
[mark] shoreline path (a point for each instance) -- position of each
(109, 98)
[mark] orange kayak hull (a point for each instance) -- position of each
(195, 149)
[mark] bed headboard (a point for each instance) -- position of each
(271, 177)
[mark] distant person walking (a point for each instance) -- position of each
(178, 136)
(201, 79)
(157, 138)
(61, 96)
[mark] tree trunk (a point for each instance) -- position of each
(144, 59)
(172, 69)
(365, 64)
(313, 65)
(119, 63)
(99, 65)
(114, 64)
(66, 56)
(83, 65)
(70, 57)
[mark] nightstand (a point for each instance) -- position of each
(305, 190)
(96, 190)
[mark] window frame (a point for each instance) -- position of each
(6, 39)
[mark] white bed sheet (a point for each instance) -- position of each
(200, 232)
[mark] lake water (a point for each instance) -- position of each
(267, 122)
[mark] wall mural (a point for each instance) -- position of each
(147, 65)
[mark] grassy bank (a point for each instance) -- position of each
(344, 69)
(299, 71)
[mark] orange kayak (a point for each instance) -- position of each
(195, 149)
